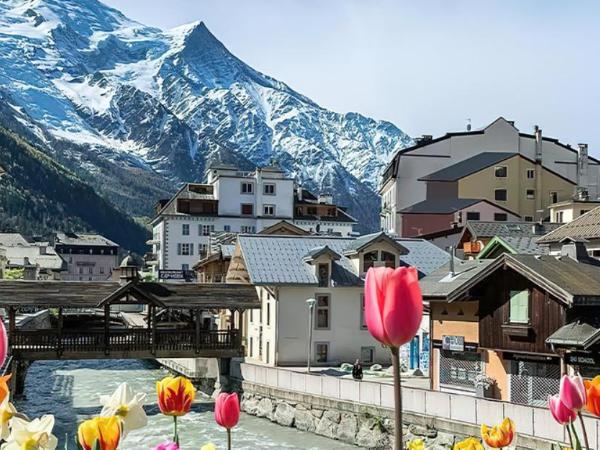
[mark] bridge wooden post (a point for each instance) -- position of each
(198, 325)
(12, 319)
(241, 328)
(59, 344)
(107, 329)
(153, 321)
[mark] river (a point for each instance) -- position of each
(70, 391)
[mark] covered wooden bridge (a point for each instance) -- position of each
(103, 338)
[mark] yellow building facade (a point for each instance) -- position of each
(519, 185)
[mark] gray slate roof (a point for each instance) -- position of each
(272, 260)
(362, 241)
(423, 255)
(441, 206)
(83, 239)
(468, 166)
(562, 273)
(526, 245)
(586, 226)
(440, 284)
(482, 229)
(279, 259)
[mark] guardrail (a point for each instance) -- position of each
(532, 421)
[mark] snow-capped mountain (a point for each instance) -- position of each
(137, 110)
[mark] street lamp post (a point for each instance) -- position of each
(311, 306)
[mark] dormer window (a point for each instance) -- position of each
(323, 274)
(388, 259)
(369, 260)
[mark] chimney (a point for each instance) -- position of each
(452, 271)
(537, 229)
(299, 193)
(574, 249)
(582, 169)
(538, 143)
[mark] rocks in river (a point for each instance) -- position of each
(327, 426)
(372, 435)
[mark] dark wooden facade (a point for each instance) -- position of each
(547, 314)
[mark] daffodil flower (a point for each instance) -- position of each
(34, 435)
(209, 446)
(7, 412)
(127, 406)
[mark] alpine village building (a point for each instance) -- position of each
(521, 320)
(288, 270)
(493, 174)
(233, 201)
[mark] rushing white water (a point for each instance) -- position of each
(70, 390)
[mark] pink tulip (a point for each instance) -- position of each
(3, 342)
(559, 410)
(572, 392)
(167, 446)
(227, 410)
(393, 304)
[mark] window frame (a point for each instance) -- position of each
(362, 322)
(316, 352)
(500, 167)
(530, 171)
(273, 185)
(528, 218)
(512, 294)
(505, 194)
(251, 205)
(265, 213)
(496, 219)
(319, 308)
(474, 212)
(185, 229)
(369, 348)
(244, 184)
(553, 197)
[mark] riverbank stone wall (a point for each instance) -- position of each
(360, 425)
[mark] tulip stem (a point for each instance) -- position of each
(585, 436)
(175, 432)
(228, 438)
(570, 435)
(397, 399)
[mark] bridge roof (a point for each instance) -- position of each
(74, 294)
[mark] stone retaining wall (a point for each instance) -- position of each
(367, 427)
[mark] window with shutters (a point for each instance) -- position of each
(185, 249)
(185, 229)
(322, 312)
(205, 230)
(519, 306)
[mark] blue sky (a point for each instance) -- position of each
(426, 65)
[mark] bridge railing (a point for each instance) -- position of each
(32, 341)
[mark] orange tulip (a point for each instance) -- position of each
(4, 390)
(175, 395)
(499, 435)
(106, 431)
(592, 389)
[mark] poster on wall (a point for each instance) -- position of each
(453, 343)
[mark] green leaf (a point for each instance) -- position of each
(76, 439)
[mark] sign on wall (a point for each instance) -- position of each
(453, 343)
(175, 275)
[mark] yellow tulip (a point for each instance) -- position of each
(175, 395)
(105, 430)
(469, 444)
(500, 435)
(4, 391)
(209, 446)
(416, 444)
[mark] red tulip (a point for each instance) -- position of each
(393, 304)
(227, 410)
(561, 413)
(572, 392)
(3, 342)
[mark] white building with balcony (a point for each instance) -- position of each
(237, 202)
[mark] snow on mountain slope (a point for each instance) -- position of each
(176, 100)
